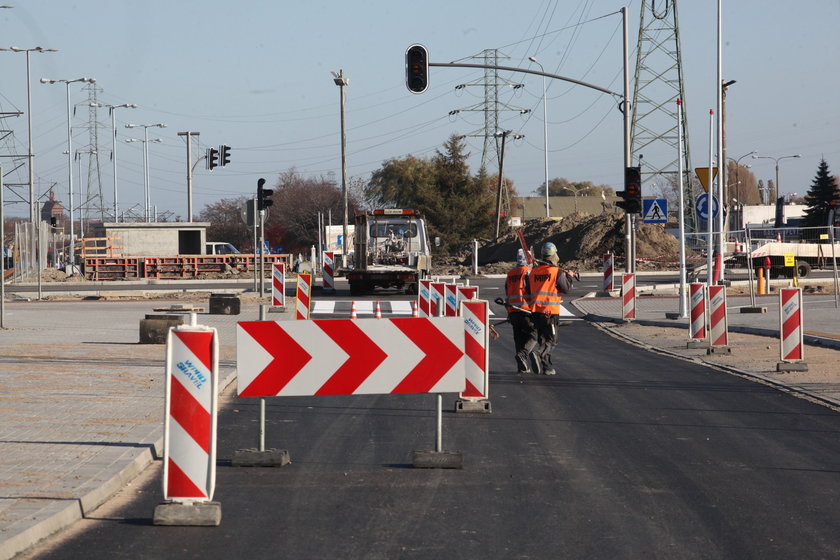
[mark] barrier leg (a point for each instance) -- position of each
(261, 457)
(438, 459)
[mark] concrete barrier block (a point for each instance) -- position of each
(224, 304)
(154, 328)
(256, 458)
(197, 514)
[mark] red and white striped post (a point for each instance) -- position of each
(450, 293)
(718, 325)
(423, 298)
(697, 314)
(436, 299)
(304, 294)
(477, 350)
(327, 271)
(791, 331)
(189, 448)
(278, 285)
(467, 293)
(628, 295)
(609, 276)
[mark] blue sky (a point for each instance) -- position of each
(256, 76)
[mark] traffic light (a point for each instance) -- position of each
(212, 158)
(263, 195)
(417, 68)
(632, 193)
(224, 157)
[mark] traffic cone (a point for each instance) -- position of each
(378, 313)
(353, 310)
(778, 236)
(414, 309)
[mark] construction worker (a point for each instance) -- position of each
(519, 312)
(547, 281)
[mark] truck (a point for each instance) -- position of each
(805, 257)
(391, 250)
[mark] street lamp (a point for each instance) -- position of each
(146, 188)
(72, 251)
(545, 135)
(737, 173)
(574, 192)
(31, 156)
(777, 160)
(112, 109)
(342, 81)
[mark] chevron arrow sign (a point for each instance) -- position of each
(350, 356)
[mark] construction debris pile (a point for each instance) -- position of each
(581, 239)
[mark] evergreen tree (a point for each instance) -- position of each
(823, 195)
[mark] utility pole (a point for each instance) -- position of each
(341, 81)
(189, 136)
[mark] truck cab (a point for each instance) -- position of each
(220, 248)
(391, 250)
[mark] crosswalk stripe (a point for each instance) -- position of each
(395, 307)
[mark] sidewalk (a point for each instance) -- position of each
(81, 408)
(81, 402)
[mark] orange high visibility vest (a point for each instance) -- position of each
(515, 288)
(544, 295)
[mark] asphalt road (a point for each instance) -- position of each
(624, 454)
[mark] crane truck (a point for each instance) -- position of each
(391, 250)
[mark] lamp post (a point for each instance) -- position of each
(737, 174)
(72, 250)
(112, 109)
(341, 81)
(545, 136)
(777, 160)
(146, 188)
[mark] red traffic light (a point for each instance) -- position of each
(417, 68)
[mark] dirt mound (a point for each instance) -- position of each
(581, 240)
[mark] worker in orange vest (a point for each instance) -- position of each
(547, 281)
(519, 312)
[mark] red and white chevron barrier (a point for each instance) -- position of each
(350, 357)
(792, 347)
(424, 298)
(450, 296)
(476, 347)
(697, 315)
(189, 445)
(718, 325)
(609, 280)
(327, 268)
(628, 295)
(436, 299)
(278, 285)
(304, 295)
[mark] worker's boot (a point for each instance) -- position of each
(523, 357)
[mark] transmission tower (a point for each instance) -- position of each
(491, 106)
(93, 201)
(659, 83)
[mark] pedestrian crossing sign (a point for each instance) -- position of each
(655, 210)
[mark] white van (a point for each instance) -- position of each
(220, 248)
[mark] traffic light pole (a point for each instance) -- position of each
(262, 252)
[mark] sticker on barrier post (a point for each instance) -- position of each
(791, 331)
(189, 452)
